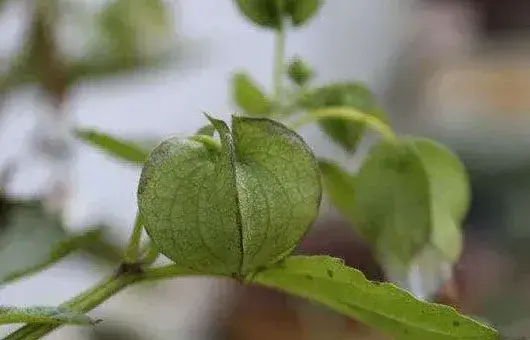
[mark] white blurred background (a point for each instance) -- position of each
(429, 62)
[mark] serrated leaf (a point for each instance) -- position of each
(344, 132)
(409, 193)
(339, 185)
(116, 147)
(381, 305)
(42, 315)
(233, 209)
(301, 11)
(249, 97)
(32, 239)
(299, 72)
(264, 13)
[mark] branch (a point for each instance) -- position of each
(100, 293)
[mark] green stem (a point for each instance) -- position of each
(82, 303)
(98, 294)
(166, 272)
(346, 113)
(279, 56)
(132, 253)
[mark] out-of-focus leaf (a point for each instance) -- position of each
(96, 67)
(299, 72)
(42, 315)
(129, 27)
(344, 132)
(339, 185)
(32, 239)
(450, 195)
(411, 193)
(121, 149)
(90, 68)
(272, 13)
(132, 28)
(301, 11)
(249, 97)
(264, 13)
(41, 51)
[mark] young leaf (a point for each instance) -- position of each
(233, 209)
(264, 13)
(42, 315)
(132, 28)
(381, 305)
(302, 11)
(339, 185)
(31, 240)
(116, 147)
(392, 201)
(207, 130)
(299, 72)
(450, 195)
(344, 132)
(249, 97)
(409, 193)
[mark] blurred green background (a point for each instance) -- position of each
(457, 71)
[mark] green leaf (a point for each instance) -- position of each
(249, 97)
(264, 13)
(301, 11)
(381, 305)
(410, 193)
(118, 148)
(129, 27)
(95, 66)
(42, 315)
(339, 185)
(207, 130)
(392, 200)
(299, 72)
(32, 239)
(450, 195)
(233, 209)
(344, 132)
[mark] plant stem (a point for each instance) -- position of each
(82, 303)
(347, 113)
(279, 56)
(165, 272)
(132, 254)
(98, 294)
